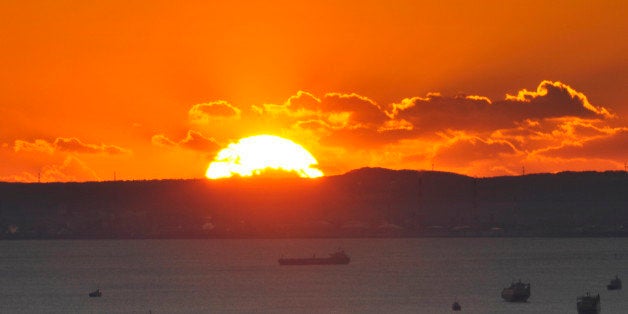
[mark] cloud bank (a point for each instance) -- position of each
(471, 134)
(552, 127)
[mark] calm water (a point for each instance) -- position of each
(242, 276)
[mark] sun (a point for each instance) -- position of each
(257, 154)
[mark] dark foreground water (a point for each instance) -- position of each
(243, 276)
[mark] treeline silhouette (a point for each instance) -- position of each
(368, 202)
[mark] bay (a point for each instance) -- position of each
(243, 276)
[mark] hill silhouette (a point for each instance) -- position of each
(361, 203)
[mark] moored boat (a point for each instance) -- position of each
(336, 258)
(517, 292)
(588, 304)
(456, 306)
(615, 284)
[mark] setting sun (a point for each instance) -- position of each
(257, 154)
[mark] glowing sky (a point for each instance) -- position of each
(154, 89)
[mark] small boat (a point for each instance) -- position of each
(615, 284)
(456, 306)
(517, 292)
(336, 258)
(95, 294)
(588, 304)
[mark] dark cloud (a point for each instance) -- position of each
(556, 132)
(551, 100)
(462, 131)
(358, 138)
(348, 120)
(556, 99)
(463, 150)
(196, 141)
(75, 145)
(612, 146)
(336, 110)
(528, 120)
(433, 114)
(362, 111)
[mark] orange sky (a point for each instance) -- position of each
(153, 89)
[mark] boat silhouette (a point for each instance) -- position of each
(336, 258)
(456, 306)
(588, 304)
(615, 284)
(517, 292)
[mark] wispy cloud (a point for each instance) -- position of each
(40, 146)
(75, 145)
(202, 113)
(193, 140)
(72, 145)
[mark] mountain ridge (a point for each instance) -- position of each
(361, 203)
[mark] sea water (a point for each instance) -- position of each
(243, 276)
